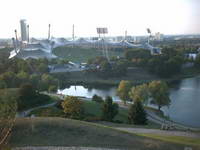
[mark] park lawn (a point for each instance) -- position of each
(175, 139)
(66, 132)
(80, 55)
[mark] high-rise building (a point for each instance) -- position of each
(24, 34)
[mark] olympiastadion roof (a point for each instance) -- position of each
(43, 48)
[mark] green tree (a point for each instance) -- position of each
(123, 90)
(23, 77)
(159, 92)
(109, 109)
(140, 93)
(137, 114)
(2, 84)
(26, 96)
(52, 88)
(73, 108)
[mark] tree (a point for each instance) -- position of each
(109, 109)
(23, 77)
(137, 54)
(137, 114)
(2, 84)
(52, 88)
(73, 107)
(27, 94)
(140, 93)
(123, 90)
(159, 92)
(8, 109)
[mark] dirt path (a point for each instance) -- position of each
(161, 132)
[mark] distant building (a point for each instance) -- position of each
(158, 36)
(24, 33)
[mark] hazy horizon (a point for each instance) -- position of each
(167, 16)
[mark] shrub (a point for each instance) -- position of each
(97, 99)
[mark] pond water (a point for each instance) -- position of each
(185, 99)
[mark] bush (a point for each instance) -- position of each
(73, 108)
(109, 109)
(97, 99)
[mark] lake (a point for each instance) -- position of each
(185, 99)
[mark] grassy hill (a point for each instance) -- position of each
(78, 54)
(66, 132)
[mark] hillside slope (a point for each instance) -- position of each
(66, 132)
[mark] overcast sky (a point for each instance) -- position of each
(165, 16)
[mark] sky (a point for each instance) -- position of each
(164, 16)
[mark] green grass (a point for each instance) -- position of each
(175, 139)
(78, 54)
(66, 132)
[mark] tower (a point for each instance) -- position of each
(28, 33)
(23, 30)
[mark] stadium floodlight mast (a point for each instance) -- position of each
(103, 31)
(149, 32)
(49, 32)
(73, 34)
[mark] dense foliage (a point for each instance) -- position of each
(73, 108)
(28, 97)
(123, 90)
(109, 109)
(97, 98)
(137, 114)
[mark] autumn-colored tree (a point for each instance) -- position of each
(73, 107)
(159, 93)
(123, 90)
(140, 92)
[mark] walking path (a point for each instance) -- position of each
(161, 132)
(61, 148)
(27, 112)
